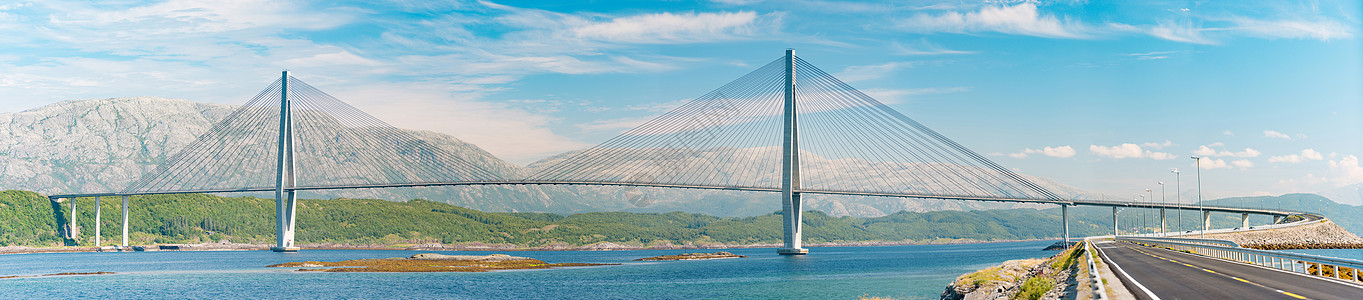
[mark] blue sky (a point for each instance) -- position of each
(1103, 95)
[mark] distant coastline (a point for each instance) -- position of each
(479, 247)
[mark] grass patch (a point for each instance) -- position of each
(984, 276)
(1034, 288)
(1066, 259)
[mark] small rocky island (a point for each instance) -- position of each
(692, 256)
(430, 262)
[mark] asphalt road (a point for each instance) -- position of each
(1176, 275)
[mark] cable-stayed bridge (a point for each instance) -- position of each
(786, 127)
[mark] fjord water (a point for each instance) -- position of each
(903, 272)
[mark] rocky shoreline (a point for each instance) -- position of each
(474, 246)
(1036, 278)
(692, 256)
(430, 262)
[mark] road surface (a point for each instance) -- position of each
(1175, 275)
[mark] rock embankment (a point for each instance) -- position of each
(1037, 278)
(692, 256)
(1322, 234)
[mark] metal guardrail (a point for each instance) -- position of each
(1337, 268)
(1099, 291)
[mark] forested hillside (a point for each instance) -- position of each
(29, 219)
(194, 218)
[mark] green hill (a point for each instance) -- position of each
(29, 219)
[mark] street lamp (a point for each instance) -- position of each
(1162, 197)
(1144, 216)
(1201, 215)
(1152, 202)
(1178, 197)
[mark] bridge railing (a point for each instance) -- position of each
(1338, 268)
(1096, 279)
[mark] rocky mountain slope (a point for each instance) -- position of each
(104, 145)
(1347, 195)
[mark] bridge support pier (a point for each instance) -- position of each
(124, 244)
(72, 232)
(1206, 220)
(1244, 220)
(1116, 227)
(1065, 219)
(284, 225)
(1162, 231)
(98, 218)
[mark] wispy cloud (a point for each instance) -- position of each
(1128, 150)
(1276, 135)
(1292, 29)
(924, 47)
(667, 28)
(1152, 55)
(859, 73)
(1184, 32)
(896, 96)
(1020, 19)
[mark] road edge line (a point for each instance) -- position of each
(1316, 277)
(1124, 274)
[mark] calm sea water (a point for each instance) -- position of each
(904, 272)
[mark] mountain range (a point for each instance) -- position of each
(103, 145)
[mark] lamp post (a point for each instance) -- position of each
(1144, 213)
(1151, 203)
(1178, 197)
(1162, 196)
(1203, 215)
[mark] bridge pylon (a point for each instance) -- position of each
(791, 211)
(285, 179)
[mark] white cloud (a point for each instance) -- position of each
(1206, 150)
(668, 28)
(1228, 132)
(1020, 19)
(1276, 135)
(1128, 150)
(1061, 152)
(1345, 171)
(1158, 145)
(1306, 154)
(1212, 164)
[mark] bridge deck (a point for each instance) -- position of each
(1076, 202)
